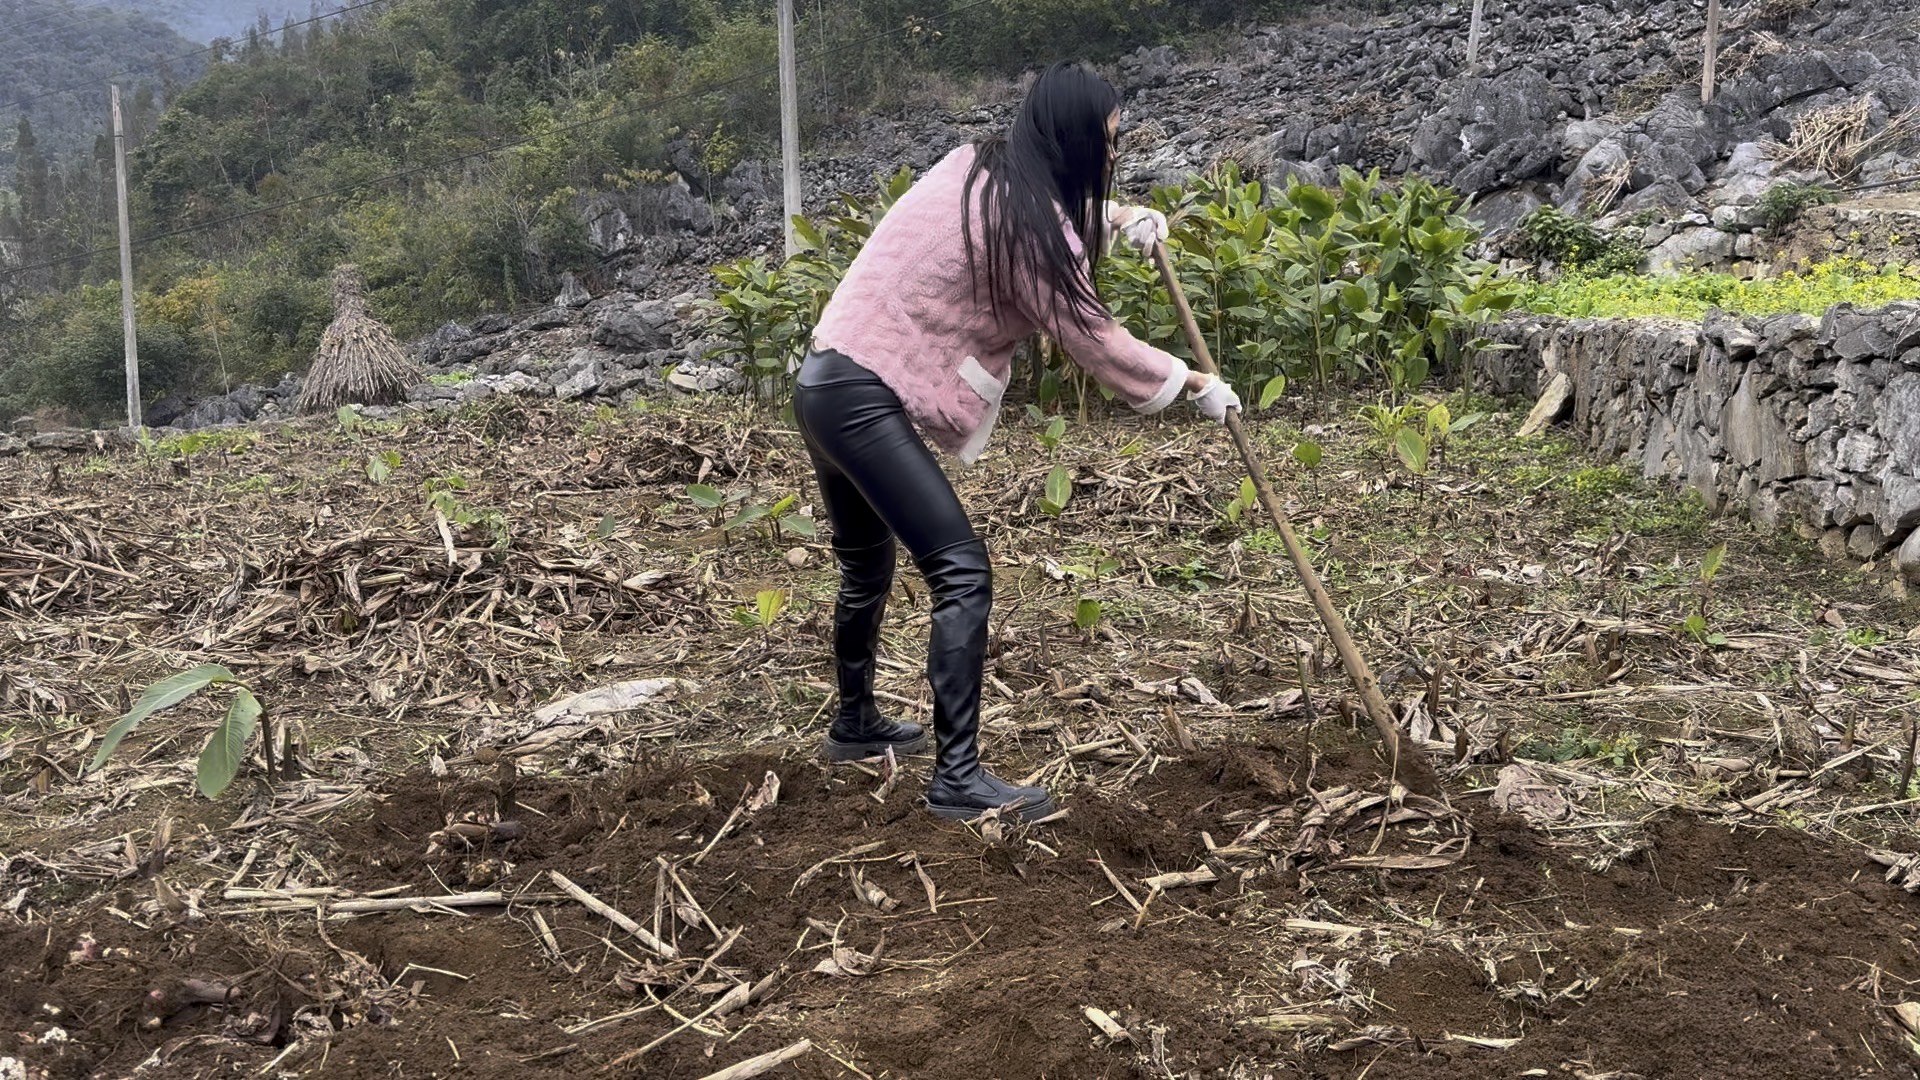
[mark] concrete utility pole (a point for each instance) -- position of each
(1473, 35)
(789, 124)
(1713, 51)
(126, 265)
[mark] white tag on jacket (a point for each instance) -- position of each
(991, 390)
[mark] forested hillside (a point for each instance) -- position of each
(446, 145)
(56, 59)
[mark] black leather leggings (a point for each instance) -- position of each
(879, 481)
(877, 477)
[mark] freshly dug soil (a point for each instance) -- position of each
(1709, 952)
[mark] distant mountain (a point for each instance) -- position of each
(56, 59)
(204, 20)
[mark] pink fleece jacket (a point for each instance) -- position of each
(906, 311)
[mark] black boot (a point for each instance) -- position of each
(962, 583)
(859, 731)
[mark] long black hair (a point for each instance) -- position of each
(1056, 156)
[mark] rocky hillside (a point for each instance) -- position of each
(1569, 94)
(1590, 105)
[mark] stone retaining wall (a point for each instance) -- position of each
(1798, 421)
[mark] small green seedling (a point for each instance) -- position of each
(443, 499)
(1308, 455)
(780, 517)
(1411, 447)
(709, 499)
(767, 606)
(225, 752)
(1271, 392)
(786, 522)
(1086, 615)
(1055, 431)
(380, 466)
(1059, 492)
(1245, 501)
(1696, 624)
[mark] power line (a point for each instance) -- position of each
(226, 44)
(487, 151)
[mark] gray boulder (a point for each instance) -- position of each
(1148, 67)
(670, 207)
(1795, 75)
(248, 399)
(434, 349)
(71, 442)
(1690, 248)
(609, 229)
(1671, 143)
(1598, 165)
(1496, 132)
(1907, 558)
(636, 327)
(1498, 214)
(1583, 135)
(578, 381)
(1283, 170)
(546, 319)
(164, 412)
(1890, 166)
(572, 293)
(1668, 198)
(212, 412)
(1745, 177)
(515, 382)
(618, 221)
(708, 379)
(747, 185)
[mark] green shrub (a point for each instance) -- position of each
(1363, 281)
(1785, 201)
(277, 317)
(85, 363)
(1573, 244)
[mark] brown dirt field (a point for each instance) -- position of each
(1712, 952)
(1702, 905)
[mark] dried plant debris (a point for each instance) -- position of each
(545, 743)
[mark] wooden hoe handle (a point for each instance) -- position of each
(1409, 767)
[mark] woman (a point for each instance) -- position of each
(994, 243)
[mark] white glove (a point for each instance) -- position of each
(1141, 226)
(1214, 399)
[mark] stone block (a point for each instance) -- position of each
(1866, 542)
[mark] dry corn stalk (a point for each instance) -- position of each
(1607, 188)
(1835, 138)
(358, 362)
(1777, 11)
(1759, 45)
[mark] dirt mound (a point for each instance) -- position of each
(1708, 952)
